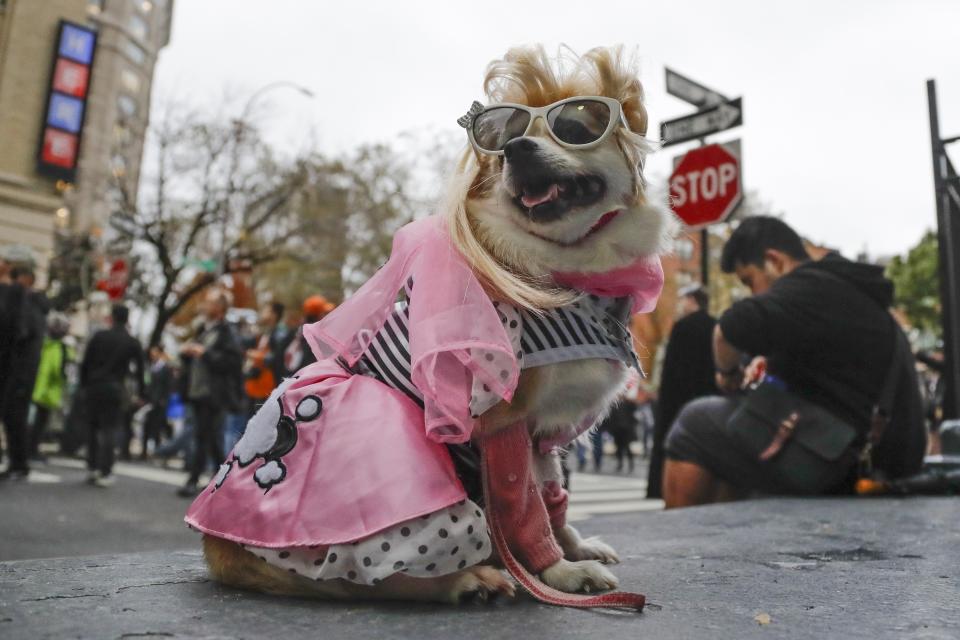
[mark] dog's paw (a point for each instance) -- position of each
(592, 549)
(480, 584)
(576, 548)
(585, 575)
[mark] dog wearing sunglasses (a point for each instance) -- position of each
(511, 323)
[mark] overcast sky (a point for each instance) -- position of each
(836, 132)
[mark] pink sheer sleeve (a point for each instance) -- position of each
(456, 335)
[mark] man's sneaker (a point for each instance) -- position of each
(104, 481)
(188, 490)
(92, 477)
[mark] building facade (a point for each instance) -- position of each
(34, 208)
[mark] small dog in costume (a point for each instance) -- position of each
(498, 328)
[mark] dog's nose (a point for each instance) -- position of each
(519, 148)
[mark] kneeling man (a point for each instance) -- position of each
(823, 330)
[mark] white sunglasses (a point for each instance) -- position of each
(580, 122)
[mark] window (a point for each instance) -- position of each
(683, 247)
(127, 106)
(119, 165)
(138, 27)
(130, 81)
(134, 52)
(121, 135)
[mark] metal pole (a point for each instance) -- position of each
(705, 258)
(705, 249)
(948, 235)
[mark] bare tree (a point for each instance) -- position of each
(350, 209)
(214, 199)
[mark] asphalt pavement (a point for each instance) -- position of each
(58, 514)
(845, 568)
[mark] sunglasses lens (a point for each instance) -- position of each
(580, 121)
(496, 127)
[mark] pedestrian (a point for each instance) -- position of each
(621, 424)
(687, 372)
(298, 353)
(181, 413)
(823, 332)
(263, 366)
(596, 447)
(25, 329)
(48, 390)
(214, 363)
(159, 389)
(107, 362)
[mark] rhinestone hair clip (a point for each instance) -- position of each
(466, 121)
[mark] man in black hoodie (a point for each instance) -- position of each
(824, 331)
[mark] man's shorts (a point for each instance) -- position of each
(699, 435)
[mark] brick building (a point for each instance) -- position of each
(130, 33)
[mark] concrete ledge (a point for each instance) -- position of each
(831, 568)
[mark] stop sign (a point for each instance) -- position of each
(705, 185)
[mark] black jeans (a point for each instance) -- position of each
(208, 437)
(103, 416)
(41, 418)
(15, 410)
(699, 435)
(155, 427)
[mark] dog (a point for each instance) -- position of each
(546, 201)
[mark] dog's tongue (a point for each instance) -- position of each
(530, 201)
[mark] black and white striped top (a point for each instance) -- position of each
(592, 327)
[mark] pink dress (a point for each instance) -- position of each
(333, 458)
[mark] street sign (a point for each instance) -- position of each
(693, 92)
(115, 284)
(705, 185)
(725, 115)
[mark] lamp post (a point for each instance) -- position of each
(240, 124)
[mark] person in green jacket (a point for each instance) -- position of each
(51, 379)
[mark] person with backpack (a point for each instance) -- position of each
(48, 389)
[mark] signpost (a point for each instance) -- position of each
(721, 117)
(693, 92)
(705, 186)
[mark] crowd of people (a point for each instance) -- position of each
(815, 331)
(191, 404)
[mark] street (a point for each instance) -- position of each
(56, 514)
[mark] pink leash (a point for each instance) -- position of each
(534, 586)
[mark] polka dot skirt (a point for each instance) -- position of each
(497, 364)
(436, 544)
